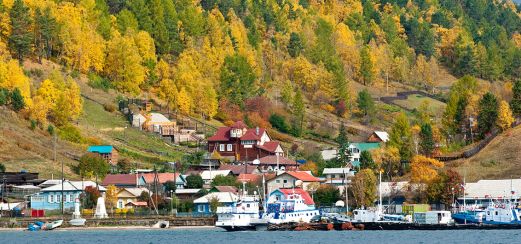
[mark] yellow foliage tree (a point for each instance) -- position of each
(184, 101)
(124, 64)
(111, 196)
(12, 76)
(505, 117)
(145, 45)
(424, 169)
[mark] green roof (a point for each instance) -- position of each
(366, 146)
(104, 149)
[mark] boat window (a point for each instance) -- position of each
(496, 212)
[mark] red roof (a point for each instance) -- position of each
(249, 178)
(231, 189)
(222, 134)
(304, 194)
(238, 169)
(252, 135)
(270, 146)
(119, 179)
(303, 176)
(272, 160)
(162, 177)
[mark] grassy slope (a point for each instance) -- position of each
(499, 160)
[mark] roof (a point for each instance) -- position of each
(120, 179)
(272, 160)
(495, 189)
(366, 146)
(136, 191)
(222, 196)
(209, 175)
(48, 183)
(252, 135)
(101, 149)
(303, 176)
(161, 177)
(73, 186)
(337, 171)
(384, 136)
(222, 134)
(231, 189)
(270, 146)
(137, 204)
(304, 194)
(27, 187)
(187, 191)
(249, 178)
(158, 118)
(239, 169)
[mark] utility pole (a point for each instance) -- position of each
(345, 191)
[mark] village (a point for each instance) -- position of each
(237, 161)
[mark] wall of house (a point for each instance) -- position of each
(232, 148)
(122, 201)
(205, 207)
(51, 200)
(282, 181)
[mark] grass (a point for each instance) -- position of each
(413, 102)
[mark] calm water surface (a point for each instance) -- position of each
(217, 236)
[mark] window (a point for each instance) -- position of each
(120, 204)
(285, 181)
(248, 205)
(51, 198)
(229, 147)
(200, 208)
(221, 147)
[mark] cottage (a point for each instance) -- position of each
(338, 177)
(124, 180)
(163, 178)
(107, 152)
(187, 194)
(225, 199)
(136, 205)
(378, 136)
(239, 143)
(277, 163)
(356, 150)
(129, 195)
(50, 197)
(250, 178)
(240, 169)
(209, 175)
(289, 180)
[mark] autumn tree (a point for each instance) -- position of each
(488, 113)
(310, 166)
(299, 111)
(111, 197)
(363, 188)
(21, 35)
(45, 32)
(505, 118)
(401, 136)
(295, 45)
(423, 171)
(366, 160)
(237, 79)
(445, 187)
(326, 195)
(91, 165)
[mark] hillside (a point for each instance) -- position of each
(499, 160)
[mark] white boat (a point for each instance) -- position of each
(243, 215)
(161, 224)
(295, 207)
(77, 222)
(53, 225)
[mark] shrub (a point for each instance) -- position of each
(36, 72)
(70, 133)
(75, 74)
(98, 82)
(33, 124)
(50, 129)
(279, 122)
(4, 96)
(109, 107)
(87, 212)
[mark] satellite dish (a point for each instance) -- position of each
(256, 162)
(298, 183)
(339, 203)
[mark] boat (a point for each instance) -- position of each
(245, 214)
(52, 225)
(296, 207)
(77, 222)
(161, 224)
(36, 226)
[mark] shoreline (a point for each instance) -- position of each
(115, 228)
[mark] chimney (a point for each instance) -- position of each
(257, 130)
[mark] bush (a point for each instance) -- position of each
(75, 74)
(36, 72)
(87, 212)
(70, 133)
(98, 82)
(279, 122)
(2, 168)
(33, 124)
(50, 129)
(109, 107)
(4, 96)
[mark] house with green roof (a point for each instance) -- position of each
(107, 152)
(356, 149)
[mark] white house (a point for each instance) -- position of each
(289, 179)
(226, 199)
(484, 191)
(338, 177)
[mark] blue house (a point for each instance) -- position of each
(50, 198)
(226, 199)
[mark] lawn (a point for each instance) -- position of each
(415, 101)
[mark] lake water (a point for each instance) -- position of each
(217, 236)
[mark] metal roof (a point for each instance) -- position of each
(100, 149)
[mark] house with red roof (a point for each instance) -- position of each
(286, 193)
(290, 179)
(274, 163)
(124, 180)
(240, 169)
(240, 143)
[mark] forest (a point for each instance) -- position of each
(267, 61)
